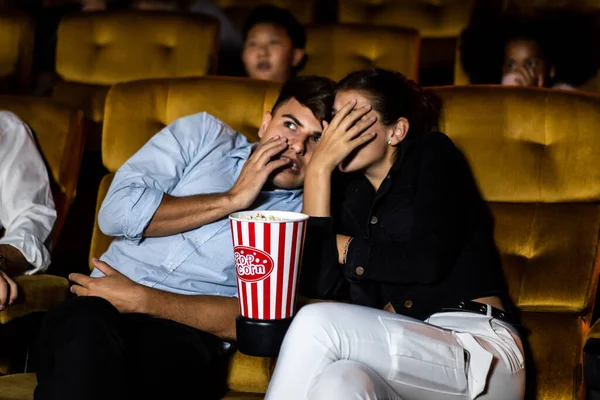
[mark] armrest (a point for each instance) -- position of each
(37, 293)
(249, 374)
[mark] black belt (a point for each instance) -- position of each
(478, 308)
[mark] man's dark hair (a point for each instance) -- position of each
(279, 17)
(314, 92)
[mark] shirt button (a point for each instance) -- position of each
(408, 304)
(359, 270)
(374, 220)
(169, 265)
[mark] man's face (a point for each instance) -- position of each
(302, 130)
(269, 54)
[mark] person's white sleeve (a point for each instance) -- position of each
(27, 210)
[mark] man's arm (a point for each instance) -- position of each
(12, 261)
(138, 203)
(212, 314)
(180, 214)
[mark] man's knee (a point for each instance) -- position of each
(78, 314)
(343, 380)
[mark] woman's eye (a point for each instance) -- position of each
(290, 125)
(531, 62)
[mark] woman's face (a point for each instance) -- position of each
(523, 54)
(374, 153)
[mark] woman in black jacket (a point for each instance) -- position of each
(398, 228)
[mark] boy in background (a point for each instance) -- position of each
(274, 43)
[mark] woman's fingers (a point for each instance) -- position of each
(362, 139)
(341, 114)
(353, 117)
(362, 125)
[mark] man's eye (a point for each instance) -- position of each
(316, 138)
(290, 125)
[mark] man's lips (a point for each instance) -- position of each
(293, 167)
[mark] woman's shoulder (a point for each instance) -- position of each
(438, 145)
(436, 140)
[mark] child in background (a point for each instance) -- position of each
(526, 61)
(274, 44)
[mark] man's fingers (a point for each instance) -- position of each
(103, 267)
(13, 291)
(270, 152)
(275, 164)
(3, 291)
(80, 279)
(265, 151)
(341, 113)
(80, 290)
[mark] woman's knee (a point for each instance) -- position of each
(344, 379)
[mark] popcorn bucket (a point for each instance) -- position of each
(268, 253)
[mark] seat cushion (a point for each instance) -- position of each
(17, 387)
(336, 50)
(104, 48)
(38, 293)
(556, 343)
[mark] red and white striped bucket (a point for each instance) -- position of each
(268, 253)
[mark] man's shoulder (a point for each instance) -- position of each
(12, 128)
(204, 125)
(9, 120)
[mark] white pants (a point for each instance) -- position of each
(339, 351)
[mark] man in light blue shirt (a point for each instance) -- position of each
(151, 320)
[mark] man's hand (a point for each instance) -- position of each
(123, 293)
(256, 171)
(8, 290)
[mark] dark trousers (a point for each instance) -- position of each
(87, 350)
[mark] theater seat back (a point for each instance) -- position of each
(534, 155)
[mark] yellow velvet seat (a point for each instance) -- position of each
(534, 155)
(338, 49)
(439, 23)
(238, 10)
(433, 19)
(97, 50)
(60, 135)
(16, 51)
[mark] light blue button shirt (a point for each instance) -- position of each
(197, 154)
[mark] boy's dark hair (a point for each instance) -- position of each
(314, 92)
(279, 17)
